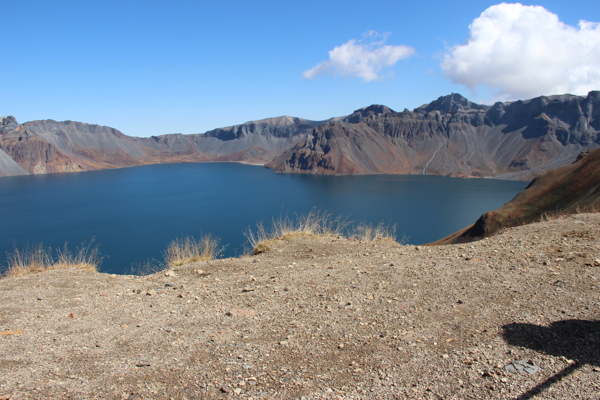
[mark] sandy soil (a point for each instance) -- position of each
(320, 318)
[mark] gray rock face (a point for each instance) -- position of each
(452, 136)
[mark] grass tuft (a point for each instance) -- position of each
(315, 223)
(150, 267)
(369, 233)
(34, 259)
(188, 249)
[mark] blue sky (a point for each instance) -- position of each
(155, 67)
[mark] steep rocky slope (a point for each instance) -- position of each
(452, 136)
(320, 318)
(567, 190)
(48, 146)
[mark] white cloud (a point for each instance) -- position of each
(363, 59)
(519, 51)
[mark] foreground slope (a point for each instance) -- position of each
(452, 136)
(320, 318)
(567, 190)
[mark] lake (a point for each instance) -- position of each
(133, 213)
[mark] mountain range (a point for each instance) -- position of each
(450, 136)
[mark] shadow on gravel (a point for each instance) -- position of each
(575, 339)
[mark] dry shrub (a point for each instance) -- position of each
(188, 249)
(33, 259)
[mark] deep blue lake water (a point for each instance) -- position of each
(133, 213)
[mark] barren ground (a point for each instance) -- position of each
(320, 318)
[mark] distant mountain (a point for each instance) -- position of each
(254, 141)
(567, 190)
(452, 136)
(49, 146)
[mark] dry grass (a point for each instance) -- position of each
(187, 250)
(34, 259)
(369, 233)
(149, 267)
(315, 223)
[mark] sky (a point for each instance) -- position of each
(152, 67)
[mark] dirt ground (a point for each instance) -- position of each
(320, 318)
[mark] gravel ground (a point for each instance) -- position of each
(320, 318)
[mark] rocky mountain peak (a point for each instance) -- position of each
(374, 110)
(8, 120)
(452, 104)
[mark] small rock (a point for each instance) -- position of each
(170, 273)
(150, 292)
(522, 367)
(237, 390)
(41, 297)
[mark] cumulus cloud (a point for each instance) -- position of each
(519, 51)
(364, 59)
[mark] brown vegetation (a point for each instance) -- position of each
(34, 259)
(188, 250)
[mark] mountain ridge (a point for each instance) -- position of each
(449, 136)
(452, 136)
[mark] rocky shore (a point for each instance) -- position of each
(514, 316)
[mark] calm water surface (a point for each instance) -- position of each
(133, 213)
